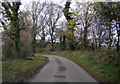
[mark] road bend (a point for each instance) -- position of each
(60, 69)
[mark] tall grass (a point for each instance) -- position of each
(15, 70)
(102, 65)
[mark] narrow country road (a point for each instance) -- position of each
(60, 69)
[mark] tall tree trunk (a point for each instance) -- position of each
(43, 38)
(110, 35)
(85, 38)
(34, 35)
(110, 42)
(68, 17)
(85, 30)
(118, 42)
(33, 42)
(14, 32)
(52, 44)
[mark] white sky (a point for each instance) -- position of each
(64, 0)
(60, 2)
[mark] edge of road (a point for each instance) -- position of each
(85, 70)
(30, 74)
(79, 66)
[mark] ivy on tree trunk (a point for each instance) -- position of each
(11, 12)
(71, 29)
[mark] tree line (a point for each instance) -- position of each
(88, 26)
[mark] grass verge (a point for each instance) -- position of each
(17, 70)
(103, 66)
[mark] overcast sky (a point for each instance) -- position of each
(60, 2)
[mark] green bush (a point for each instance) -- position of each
(7, 48)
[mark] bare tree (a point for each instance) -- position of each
(35, 9)
(84, 14)
(54, 13)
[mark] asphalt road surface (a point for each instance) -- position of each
(60, 69)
